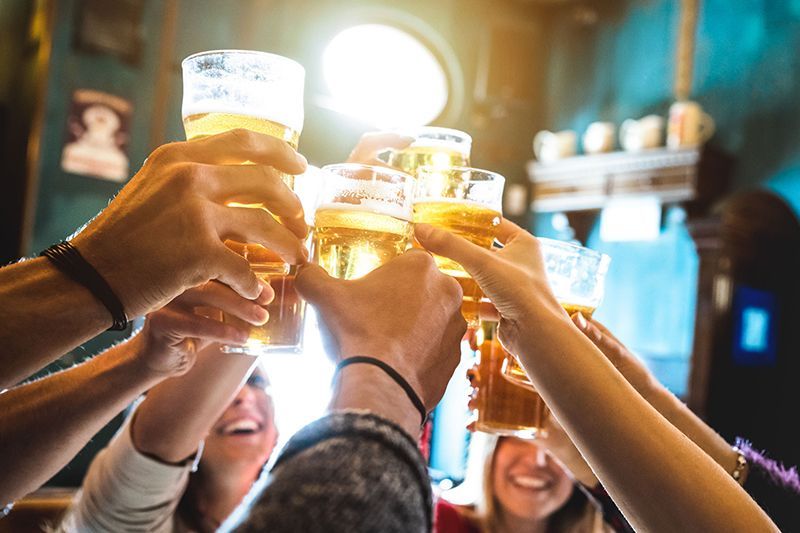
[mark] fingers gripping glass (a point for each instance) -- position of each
(467, 202)
(229, 89)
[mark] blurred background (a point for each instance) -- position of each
(704, 237)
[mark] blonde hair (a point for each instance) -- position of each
(578, 515)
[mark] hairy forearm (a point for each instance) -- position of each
(43, 424)
(178, 413)
(44, 315)
(659, 478)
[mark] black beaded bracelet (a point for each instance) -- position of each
(394, 374)
(68, 260)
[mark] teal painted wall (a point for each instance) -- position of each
(746, 75)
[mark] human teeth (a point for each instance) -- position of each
(528, 482)
(242, 425)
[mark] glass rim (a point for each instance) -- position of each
(433, 168)
(415, 132)
(604, 259)
(374, 168)
(234, 51)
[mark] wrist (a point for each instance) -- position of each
(137, 354)
(102, 260)
(366, 387)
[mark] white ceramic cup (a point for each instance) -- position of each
(647, 132)
(598, 137)
(550, 146)
(689, 125)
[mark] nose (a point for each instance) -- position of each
(540, 456)
(246, 396)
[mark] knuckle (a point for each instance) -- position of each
(420, 259)
(163, 152)
(247, 139)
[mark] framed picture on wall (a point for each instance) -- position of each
(98, 129)
(113, 28)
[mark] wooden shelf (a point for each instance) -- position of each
(590, 181)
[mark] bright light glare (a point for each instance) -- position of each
(384, 76)
(300, 383)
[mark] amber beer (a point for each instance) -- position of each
(261, 92)
(363, 218)
(432, 147)
(504, 408)
(203, 124)
(476, 223)
(352, 240)
(513, 371)
(285, 325)
(466, 202)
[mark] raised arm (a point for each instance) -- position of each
(161, 235)
(359, 469)
(45, 423)
(660, 479)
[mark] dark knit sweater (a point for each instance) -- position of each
(347, 472)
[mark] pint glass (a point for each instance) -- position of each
(577, 277)
(228, 89)
(503, 407)
(433, 147)
(363, 218)
(465, 201)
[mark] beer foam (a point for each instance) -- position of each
(372, 206)
(460, 201)
(442, 144)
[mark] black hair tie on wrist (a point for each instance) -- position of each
(394, 374)
(68, 260)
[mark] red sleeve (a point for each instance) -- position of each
(448, 519)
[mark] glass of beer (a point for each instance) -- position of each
(432, 147)
(577, 277)
(363, 218)
(229, 89)
(465, 201)
(502, 407)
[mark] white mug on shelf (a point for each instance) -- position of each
(689, 125)
(549, 146)
(598, 137)
(647, 132)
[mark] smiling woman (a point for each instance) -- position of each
(523, 489)
(384, 76)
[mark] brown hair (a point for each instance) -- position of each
(577, 515)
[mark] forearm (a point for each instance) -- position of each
(680, 416)
(44, 315)
(659, 478)
(368, 388)
(333, 470)
(45, 423)
(178, 413)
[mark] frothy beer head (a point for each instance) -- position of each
(259, 85)
(363, 219)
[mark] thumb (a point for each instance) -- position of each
(314, 283)
(470, 256)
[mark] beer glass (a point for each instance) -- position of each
(434, 147)
(577, 276)
(228, 89)
(465, 201)
(502, 407)
(363, 218)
